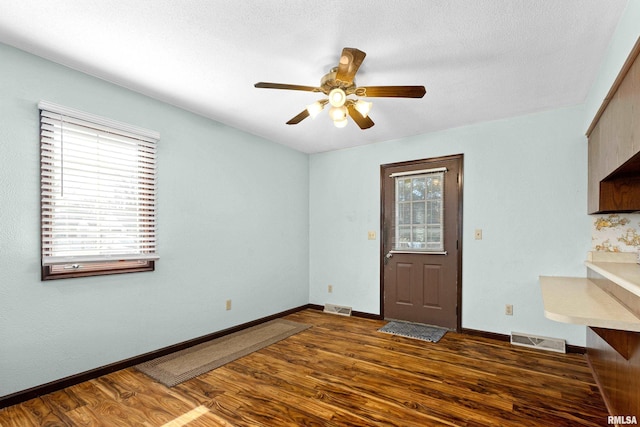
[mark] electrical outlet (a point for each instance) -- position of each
(330, 288)
(228, 305)
(508, 310)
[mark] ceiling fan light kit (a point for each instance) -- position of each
(337, 85)
(340, 123)
(315, 108)
(363, 107)
(338, 113)
(337, 97)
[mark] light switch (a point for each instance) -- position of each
(371, 235)
(478, 234)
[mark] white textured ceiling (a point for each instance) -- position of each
(479, 60)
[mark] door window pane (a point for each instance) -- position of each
(403, 189)
(419, 188)
(434, 212)
(403, 239)
(418, 234)
(419, 213)
(404, 213)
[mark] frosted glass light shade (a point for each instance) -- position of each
(314, 109)
(363, 107)
(338, 113)
(337, 97)
(340, 123)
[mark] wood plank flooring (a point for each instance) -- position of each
(342, 372)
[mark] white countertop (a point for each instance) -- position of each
(625, 274)
(579, 301)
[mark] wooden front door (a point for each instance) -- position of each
(421, 242)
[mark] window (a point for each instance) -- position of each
(419, 211)
(98, 195)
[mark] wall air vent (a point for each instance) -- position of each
(543, 343)
(337, 309)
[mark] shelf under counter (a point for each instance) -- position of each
(623, 274)
(579, 301)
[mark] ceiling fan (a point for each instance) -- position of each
(338, 84)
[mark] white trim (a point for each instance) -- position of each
(419, 172)
(66, 111)
(425, 252)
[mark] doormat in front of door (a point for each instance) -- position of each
(414, 330)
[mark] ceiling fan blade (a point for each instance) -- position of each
(350, 62)
(391, 91)
(300, 117)
(363, 122)
(267, 85)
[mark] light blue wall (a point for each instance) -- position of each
(236, 223)
(233, 224)
(524, 186)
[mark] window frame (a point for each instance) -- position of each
(116, 264)
(398, 225)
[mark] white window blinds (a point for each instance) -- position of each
(98, 188)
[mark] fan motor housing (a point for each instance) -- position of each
(329, 82)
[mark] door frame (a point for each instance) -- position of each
(459, 216)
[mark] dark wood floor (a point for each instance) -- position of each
(342, 372)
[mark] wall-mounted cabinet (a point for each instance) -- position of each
(614, 144)
(613, 346)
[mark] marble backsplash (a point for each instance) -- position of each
(616, 232)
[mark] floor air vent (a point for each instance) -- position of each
(337, 309)
(543, 343)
